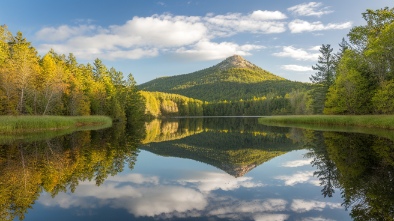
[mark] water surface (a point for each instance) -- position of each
(198, 169)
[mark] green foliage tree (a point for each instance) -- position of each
(324, 77)
(383, 99)
(365, 67)
(350, 93)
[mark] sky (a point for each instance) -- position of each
(156, 38)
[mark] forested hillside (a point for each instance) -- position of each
(232, 79)
(55, 84)
(158, 104)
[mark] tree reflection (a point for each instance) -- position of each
(362, 166)
(326, 170)
(59, 164)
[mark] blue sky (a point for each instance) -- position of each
(155, 38)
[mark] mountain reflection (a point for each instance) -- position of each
(235, 145)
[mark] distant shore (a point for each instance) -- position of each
(32, 124)
(366, 121)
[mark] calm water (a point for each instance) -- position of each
(198, 169)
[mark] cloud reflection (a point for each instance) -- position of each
(210, 181)
(297, 163)
(299, 177)
(301, 206)
(192, 196)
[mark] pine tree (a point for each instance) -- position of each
(325, 67)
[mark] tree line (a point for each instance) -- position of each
(56, 84)
(359, 79)
(159, 104)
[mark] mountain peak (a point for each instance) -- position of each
(234, 61)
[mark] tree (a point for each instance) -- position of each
(325, 67)
(324, 77)
(377, 20)
(380, 53)
(51, 82)
(24, 65)
(350, 94)
(383, 99)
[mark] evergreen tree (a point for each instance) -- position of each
(325, 67)
(324, 77)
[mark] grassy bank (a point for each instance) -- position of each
(27, 124)
(366, 121)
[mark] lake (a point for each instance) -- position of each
(198, 169)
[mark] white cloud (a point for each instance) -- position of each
(149, 36)
(233, 23)
(268, 15)
(310, 9)
(315, 48)
(299, 26)
(298, 68)
(63, 32)
(297, 163)
(206, 50)
(302, 206)
(299, 177)
(161, 31)
(297, 53)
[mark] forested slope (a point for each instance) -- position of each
(232, 79)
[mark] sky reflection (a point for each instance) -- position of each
(208, 192)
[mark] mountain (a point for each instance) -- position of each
(232, 79)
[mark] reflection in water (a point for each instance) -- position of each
(94, 175)
(58, 164)
(235, 145)
(365, 165)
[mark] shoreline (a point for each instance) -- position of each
(35, 124)
(362, 121)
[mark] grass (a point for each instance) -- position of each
(31, 124)
(379, 125)
(365, 121)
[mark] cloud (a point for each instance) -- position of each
(298, 68)
(316, 219)
(138, 200)
(302, 206)
(135, 178)
(315, 48)
(297, 163)
(297, 53)
(271, 217)
(149, 36)
(160, 31)
(299, 177)
(299, 26)
(268, 15)
(206, 50)
(259, 22)
(208, 181)
(63, 32)
(244, 210)
(309, 9)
